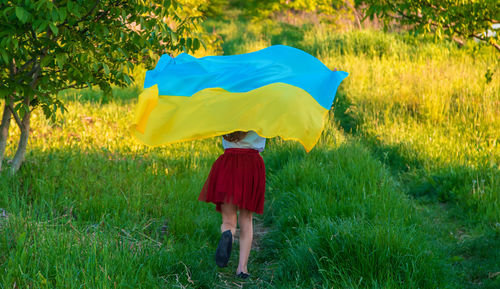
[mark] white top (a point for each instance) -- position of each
(251, 141)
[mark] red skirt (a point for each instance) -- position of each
(237, 177)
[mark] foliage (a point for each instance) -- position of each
(48, 46)
(207, 8)
(215, 8)
(457, 18)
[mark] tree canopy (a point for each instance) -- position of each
(50, 45)
(458, 19)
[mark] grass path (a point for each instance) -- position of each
(258, 269)
(473, 249)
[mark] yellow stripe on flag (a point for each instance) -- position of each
(276, 109)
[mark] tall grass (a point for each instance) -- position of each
(92, 207)
(340, 222)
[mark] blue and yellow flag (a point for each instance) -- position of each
(277, 91)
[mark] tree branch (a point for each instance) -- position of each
(84, 17)
(71, 86)
(36, 69)
(451, 26)
(13, 68)
(28, 63)
(89, 12)
(34, 81)
(479, 37)
(16, 116)
(98, 16)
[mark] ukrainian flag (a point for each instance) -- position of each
(277, 91)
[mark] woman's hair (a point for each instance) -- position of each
(235, 136)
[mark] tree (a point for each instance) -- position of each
(50, 45)
(457, 19)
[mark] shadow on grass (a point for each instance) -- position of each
(278, 33)
(471, 189)
(477, 260)
(288, 34)
(344, 113)
(280, 153)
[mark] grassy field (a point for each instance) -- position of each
(402, 190)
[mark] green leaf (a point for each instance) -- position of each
(42, 27)
(19, 109)
(4, 42)
(61, 60)
(196, 44)
(46, 60)
(22, 14)
(6, 11)
(15, 42)
(127, 79)
(106, 68)
(55, 15)
(5, 57)
(4, 92)
(38, 4)
(54, 28)
(62, 14)
(173, 35)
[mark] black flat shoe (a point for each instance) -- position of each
(223, 251)
(243, 275)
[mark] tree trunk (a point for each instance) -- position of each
(23, 143)
(4, 131)
(355, 12)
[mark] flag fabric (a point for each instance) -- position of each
(277, 91)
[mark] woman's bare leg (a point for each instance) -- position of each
(228, 228)
(246, 236)
(229, 217)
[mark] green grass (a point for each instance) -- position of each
(335, 230)
(400, 192)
